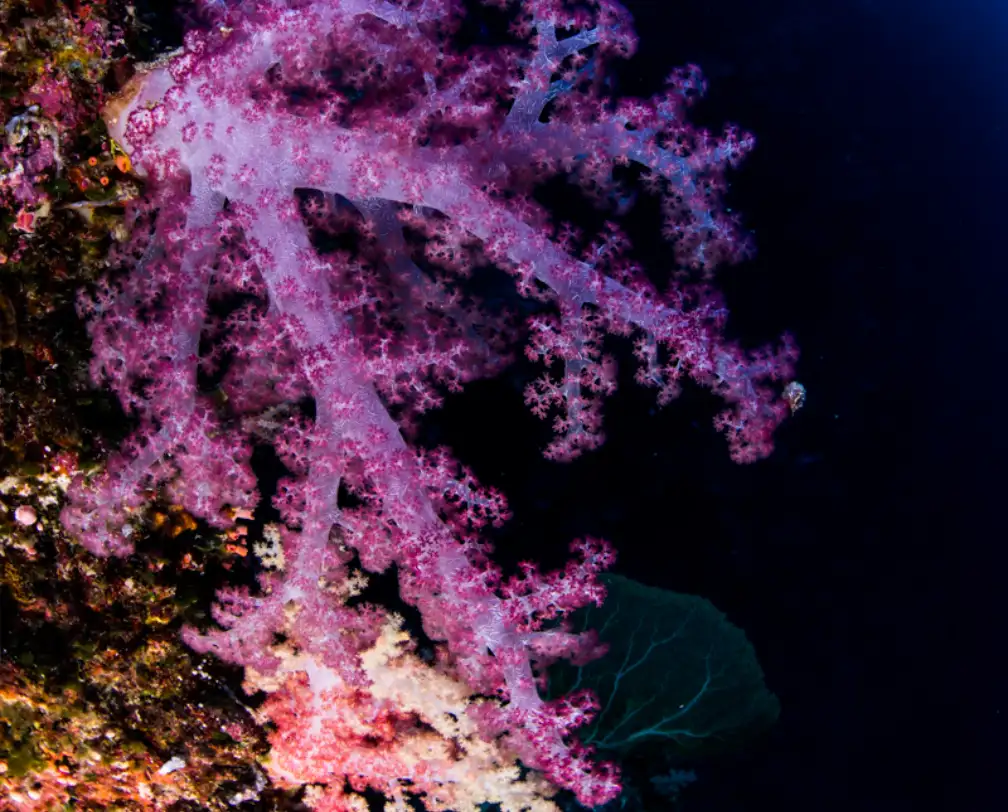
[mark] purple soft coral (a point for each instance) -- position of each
(371, 103)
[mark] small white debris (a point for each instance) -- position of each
(171, 765)
(25, 515)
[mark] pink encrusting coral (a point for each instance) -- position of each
(431, 154)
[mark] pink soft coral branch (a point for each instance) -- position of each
(368, 102)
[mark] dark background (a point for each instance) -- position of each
(863, 559)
